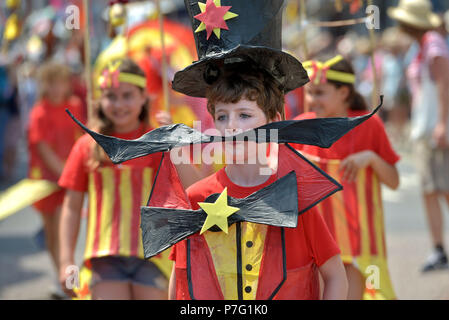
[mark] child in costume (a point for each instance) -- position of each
(251, 230)
(51, 135)
(245, 90)
(113, 246)
(361, 161)
(242, 99)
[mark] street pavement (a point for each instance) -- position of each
(26, 271)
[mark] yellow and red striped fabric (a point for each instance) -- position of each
(355, 218)
(115, 196)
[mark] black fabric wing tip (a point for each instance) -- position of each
(159, 140)
(320, 132)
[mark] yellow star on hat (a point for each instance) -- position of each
(217, 212)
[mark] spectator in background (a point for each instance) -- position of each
(393, 82)
(51, 135)
(7, 106)
(428, 75)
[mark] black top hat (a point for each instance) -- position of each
(228, 31)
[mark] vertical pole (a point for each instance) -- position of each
(373, 63)
(164, 58)
(87, 66)
(303, 17)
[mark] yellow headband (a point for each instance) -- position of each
(111, 77)
(319, 72)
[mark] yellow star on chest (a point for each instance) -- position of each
(217, 212)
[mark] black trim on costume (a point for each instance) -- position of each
(155, 178)
(338, 185)
(276, 205)
(284, 266)
(239, 261)
(189, 272)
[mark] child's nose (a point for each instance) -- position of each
(232, 123)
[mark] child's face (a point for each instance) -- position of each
(123, 105)
(58, 90)
(243, 115)
(326, 100)
(232, 118)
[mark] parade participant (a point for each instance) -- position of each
(51, 136)
(360, 161)
(113, 246)
(256, 233)
(245, 98)
(428, 77)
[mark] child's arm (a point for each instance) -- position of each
(68, 234)
(334, 277)
(50, 159)
(387, 173)
(172, 284)
(188, 172)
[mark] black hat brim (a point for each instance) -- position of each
(285, 68)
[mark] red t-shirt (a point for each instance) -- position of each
(370, 135)
(52, 125)
(310, 240)
(116, 193)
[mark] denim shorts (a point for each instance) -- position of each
(127, 269)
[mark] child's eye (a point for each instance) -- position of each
(111, 96)
(245, 116)
(221, 117)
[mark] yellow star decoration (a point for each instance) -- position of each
(227, 16)
(217, 212)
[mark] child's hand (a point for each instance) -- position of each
(352, 164)
(163, 118)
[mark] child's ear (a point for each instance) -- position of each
(344, 91)
(277, 117)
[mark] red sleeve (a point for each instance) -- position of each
(320, 241)
(172, 255)
(38, 128)
(75, 174)
(382, 145)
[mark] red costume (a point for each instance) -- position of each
(116, 193)
(274, 263)
(355, 216)
(50, 124)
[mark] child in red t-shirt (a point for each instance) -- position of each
(114, 249)
(358, 160)
(246, 97)
(51, 135)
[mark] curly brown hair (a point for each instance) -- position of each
(49, 73)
